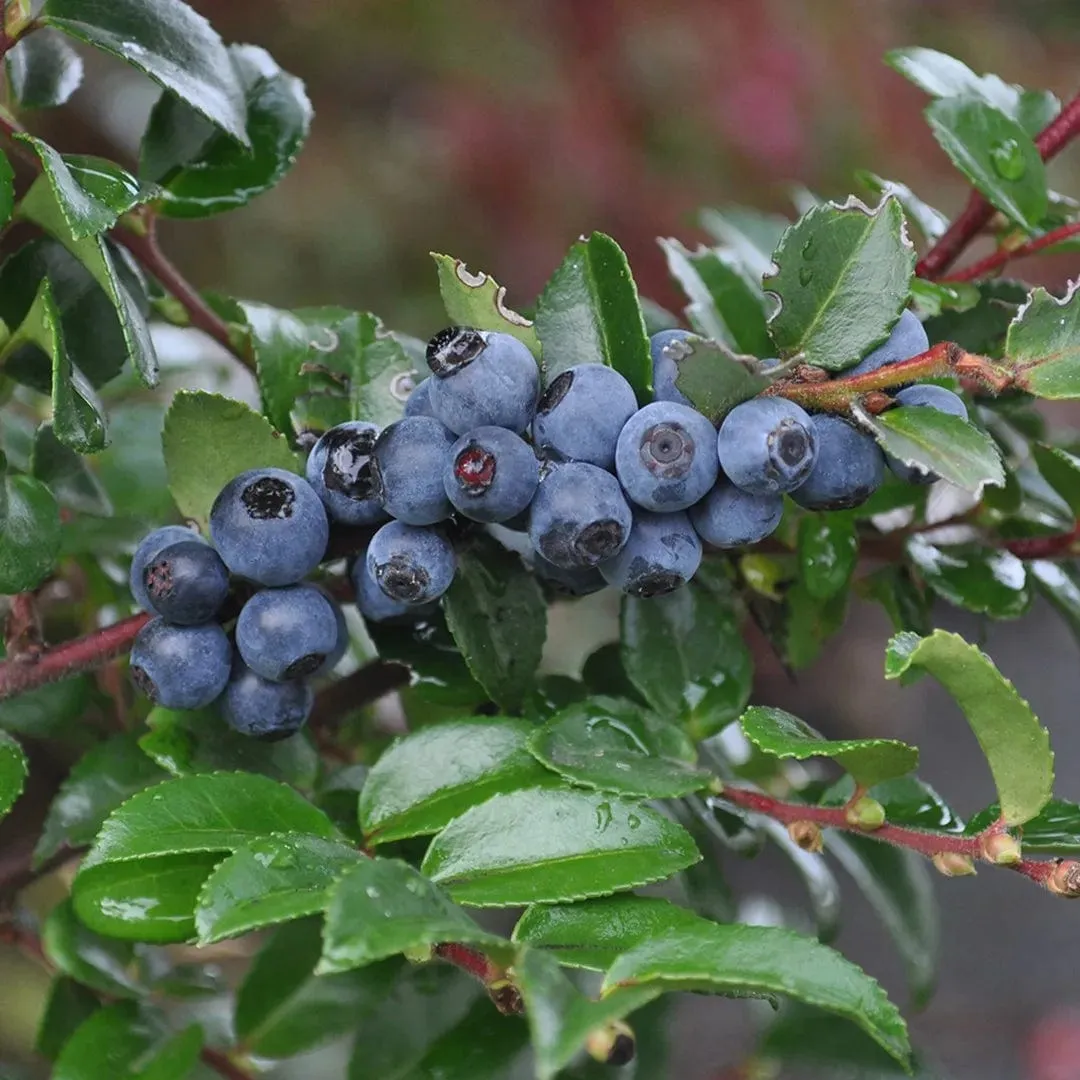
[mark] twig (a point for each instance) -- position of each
(987, 266)
(505, 995)
(223, 1065)
(1045, 547)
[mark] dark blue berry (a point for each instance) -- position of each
(408, 461)
(579, 516)
(766, 445)
(411, 565)
(482, 379)
(265, 710)
(666, 456)
(491, 474)
(908, 339)
(181, 667)
(849, 467)
(372, 602)
(269, 526)
(339, 469)
(186, 583)
(730, 517)
(568, 581)
(418, 402)
(925, 397)
(149, 547)
(663, 552)
(667, 347)
(286, 633)
(581, 414)
(342, 645)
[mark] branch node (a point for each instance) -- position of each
(1000, 848)
(1064, 879)
(807, 835)
(952, 864)
(865, 813)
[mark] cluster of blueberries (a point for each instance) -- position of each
(607, 493)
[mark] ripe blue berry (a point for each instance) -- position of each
(491, 474)
(908, 339)
(730, 517)
(418, 402)
(410, 564)
(342, 645)
(339, 469)
(186, 583)
(372, 602)
(848, 470)
(667, 347)
(663, 552)
(581, 414)
(666, 456)
(579, 516)
(568, 581)
(265, 710)
(408, 460)
(482, 379)
(181, 667)
(766, 445)
(269, 526)
(925, 397)
(149, 547)
(286, 633)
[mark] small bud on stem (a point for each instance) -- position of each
(865, 813)
(807, 836)
(952, 864)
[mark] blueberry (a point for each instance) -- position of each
(848, 470)
(286, 633)
(411, 565)
(663, 552)
(181, 667)
(491, 474)
(418, 402)
(928, 397)
(342, 645)
(266, 710)
(666, 348)
(568, 581)
(149, 547)
(339, 469)
(269, 526)
(408, 461)
(372, 602)
(666, 456)
(579, 516)
(908, 339)
(581, 414)
(766, 445)
(482, 379)
(186, 583)
(730, 517)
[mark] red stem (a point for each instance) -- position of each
(222, 1064)
(1044, 547)
(999, 258)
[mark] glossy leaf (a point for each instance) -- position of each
(686, 655)
(930, 222)
(828, 552)
(1016, 745)
(478, 300)
(1061, 470)
(1043, 345)
(7, 189)
(903, 602)
(930, 298)
(497, 615)
(95, 961)
(483, 1046)
(617, 746)
(13, 772)
(1060, 584)
(988, 582)
(981, 329)
(382, 907)
(67, 475)
(43, 70)
(1054, 830)
(272, 879)
(841, 279)
(907, 801)
(29, 533)
(590, 313)
(762, 960)
(68, 1006)
(426, 779)
(538, 846)
(208, 440)
(202, 171)
(714, 379)
(869, 761)
(166, 40)
(807, 623)
(749, 234)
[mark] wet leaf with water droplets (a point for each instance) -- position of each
(993, 583)
(1043, 345)
(828, 552)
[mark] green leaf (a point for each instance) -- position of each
(592, 934)
(980, 329)
(1043, 345)
(426, 779)
(497, 615)
(478, 300)
(273, 879)
(898, 887)
(29, 533)
(931, 298)
(907, 801)
(904, 603)
(166, 40)
(95, 961)
(995, 154)
(686, 655)
(66, 474)
(538, 846)
(1060, 584)
(1061, 470)
(43, 70)
(1054, 830)
(841, 279)
(382, 907)
(203, 172)
(69, 1004)
(828, 553)
(7, 189)
(52, 709)
(13, 772)
(617, 746)
(806, 624)
(987, 582)
(208, 440)
(1016, 745)
(763, 960)
(715, 379)
(869, 761)
(590, 313)
(726, 304)
(283, 1008)
(930, 222)
(750, 235)
(484, 1046)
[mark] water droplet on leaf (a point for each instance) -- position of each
(1008, 159)
(806, 275)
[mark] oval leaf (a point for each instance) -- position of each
(993, 583)
(43, 70)
(1043, 345)
(828, 552)
(95, 961)
(29, 533)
